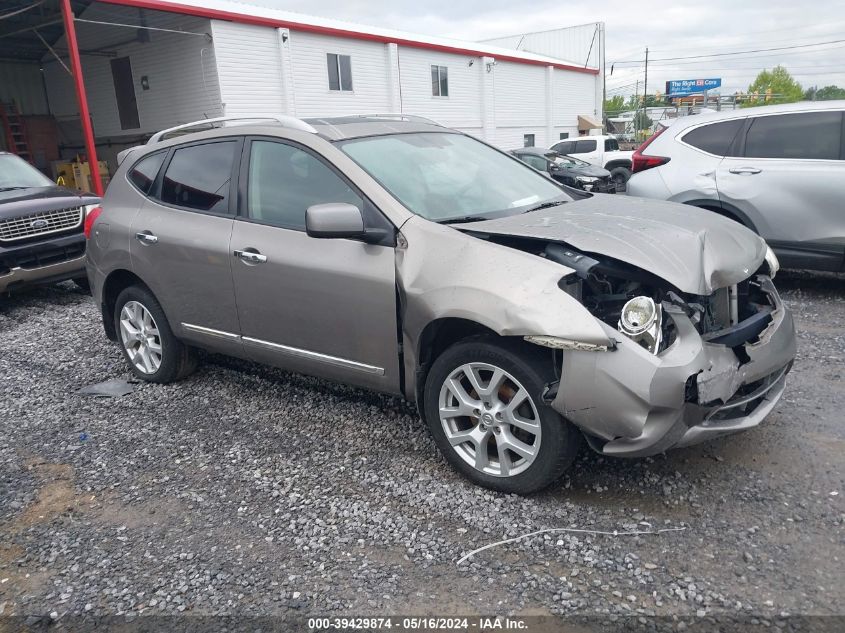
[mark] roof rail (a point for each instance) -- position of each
(398, 115)
(284, 120)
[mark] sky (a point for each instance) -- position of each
(669, 29)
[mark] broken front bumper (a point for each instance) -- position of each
(632, 403)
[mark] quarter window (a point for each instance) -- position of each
(715, 138)
(340, 71)
(285, 180)
(439, 81)
(814, 135)
(199, 177)
(143, 174)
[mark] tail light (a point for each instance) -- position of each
(641, 162)
(90, 217)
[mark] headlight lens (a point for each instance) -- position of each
(772, 262)
(641, 321)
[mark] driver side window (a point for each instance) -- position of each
(285, 180)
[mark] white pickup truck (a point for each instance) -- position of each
(602, 151)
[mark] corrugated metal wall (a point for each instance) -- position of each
(249, 68)
(571, 44)
(370, 90)
(181, 70)
(21, 83)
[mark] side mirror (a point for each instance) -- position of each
(334, 220)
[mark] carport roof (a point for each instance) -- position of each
(26, 22)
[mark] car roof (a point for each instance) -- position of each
(346, 127)
(741, 113)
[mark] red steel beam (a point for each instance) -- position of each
(81, 97)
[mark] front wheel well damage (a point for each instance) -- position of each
(441, 334)
(115, 283)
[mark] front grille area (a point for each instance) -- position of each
(40, 223)
(37, 258)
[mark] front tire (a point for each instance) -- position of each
(149, 346)
(621, 176)
(484, 408)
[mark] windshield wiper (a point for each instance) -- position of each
(12, 188)
(461, 220)
(546, 205)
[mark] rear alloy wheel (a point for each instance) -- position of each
(154, 354)
(483, 407)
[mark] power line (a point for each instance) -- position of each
(756, 50)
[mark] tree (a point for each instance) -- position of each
(828, 93)
(642, 120)
(614, 105)
(778, 83)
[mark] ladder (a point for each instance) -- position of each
(14, 129)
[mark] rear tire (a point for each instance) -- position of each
(153, 352)
(469, 393)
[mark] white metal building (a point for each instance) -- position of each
(151, 64)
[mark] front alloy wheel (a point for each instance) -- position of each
(490, 419)
(483, 405)
(140, 337)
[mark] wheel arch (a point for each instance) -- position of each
(727, 210)
(437, 336)
(116, 282)
(619, 162)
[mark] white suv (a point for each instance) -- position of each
(779, 170)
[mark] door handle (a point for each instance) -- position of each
(145, 237)
(250, 256)
(745, 170)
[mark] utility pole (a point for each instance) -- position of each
(645, 86)
(636, 109)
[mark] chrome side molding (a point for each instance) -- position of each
(286, 349)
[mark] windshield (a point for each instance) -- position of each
(443, 176)
(566, 161)
(18, 174)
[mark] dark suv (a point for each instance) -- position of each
(41, 227)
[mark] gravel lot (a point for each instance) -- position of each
(249, 491)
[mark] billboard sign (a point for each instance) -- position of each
(683, 87)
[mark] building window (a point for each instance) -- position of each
(439, 81)
(528, 140)
(564, 135)
(340, 71)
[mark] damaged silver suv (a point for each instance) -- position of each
(394, 254)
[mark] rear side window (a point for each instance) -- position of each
(715, 138)
(565, 148)
(611, 145)
(815, 135)
(582, 147)
(198, 177)
(144, 173)
(285, 180)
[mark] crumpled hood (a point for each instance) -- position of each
(584, 170)
(695, 250)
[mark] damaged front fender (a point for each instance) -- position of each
(508, 291)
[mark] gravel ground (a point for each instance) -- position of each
(247, 491)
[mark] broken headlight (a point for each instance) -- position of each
(772, 262)
(641, 321)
